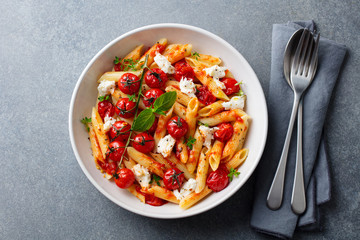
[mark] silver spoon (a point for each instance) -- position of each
(298, 200)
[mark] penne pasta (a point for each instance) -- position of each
(95, 147)
(161, 127)
(182, 149)
(191, 112)
(132, 190)
(225, 116)
(162, 193)
(100, 133)
(193, 198)
(195, 152)
(180, 110)
(211, 109)
(237, 140)
(160, 159)
(215, 154)
(145, 161)
(114, 76)
(152, 53)
(238, 159)
(202, 170)
(206, 60)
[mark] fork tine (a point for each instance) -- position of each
(314, 57)
(305, 51)
(309, 54)
(295, 63)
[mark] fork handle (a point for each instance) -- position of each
(275, 196)
(298, 199)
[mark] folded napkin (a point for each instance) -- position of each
(283, 222)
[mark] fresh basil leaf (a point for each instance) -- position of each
(144, 120)
(164, 102)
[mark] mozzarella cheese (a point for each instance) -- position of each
(187, 86)
(208, 134)
(106, 87)
(186, 189)
(166, 145)
(108, 122)
(237, 102)
(216, 72)
(164, 64)
(142, 175)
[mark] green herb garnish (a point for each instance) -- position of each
(190, 142)
(233, 172)
(117, 60)
(85, 121)
(203, 124)
(196, 55)
(147, 117)
(155, 178)
(102, 98)
(132, 98)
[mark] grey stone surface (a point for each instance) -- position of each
(44, 46)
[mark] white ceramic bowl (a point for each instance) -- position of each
(84, 98)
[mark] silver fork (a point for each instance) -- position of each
(302, 73)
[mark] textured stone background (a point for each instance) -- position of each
(44, 46)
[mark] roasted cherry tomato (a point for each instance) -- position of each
(155, 78)
(232, 86)
(129, 83)
(119, 131)
(151, 95)
(151, 199)
(143, 142)
(109, 167)
(115, 151)
(177, 127)
(218, 180)
(105, 108)
(153, 127)
(125, 108)
(124, 178)
(183, 69)
(205, 96)
(224, 133)
(173, 178)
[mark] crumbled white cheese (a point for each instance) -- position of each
(142, 175)
(164, 63)
(208, 134)
(186, 189)
(106, 87)
(237, 102)
(216, 72)
(108, 122)
(166, 145)
(187, 86)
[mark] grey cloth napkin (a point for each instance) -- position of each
(283, 222)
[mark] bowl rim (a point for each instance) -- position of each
(113, 199)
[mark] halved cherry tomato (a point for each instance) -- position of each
(125, 108)
(151, 95)
(105, 108)
(173, 178)
(115, 151)
(119, 131)
(224, 133)
(143, 142)
(232, 86)
(218, 180)
(153, 127)
(183, 69)
(124, 178)
(129, 83)
(155, 78)
(177, 127)
(205, 96)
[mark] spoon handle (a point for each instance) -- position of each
(298, 199)
(275, 196)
